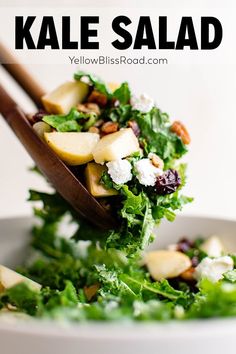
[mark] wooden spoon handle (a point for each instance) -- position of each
(22, 76)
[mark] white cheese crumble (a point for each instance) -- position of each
(143, 103)
(147, 172)
(120, 171)
(112, 305)
(213, 268)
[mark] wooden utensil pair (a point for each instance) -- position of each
(64, 181)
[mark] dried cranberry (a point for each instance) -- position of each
(184, 245)
(195, 261)
(168, 182)
(37, 117)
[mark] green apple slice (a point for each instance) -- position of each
(9, 278)
(73, 148)
(66, 96)
(116, 146)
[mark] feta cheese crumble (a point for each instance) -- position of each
(143, 103)
(146, 172)
(120, 171)
(213, 268)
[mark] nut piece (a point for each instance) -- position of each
(94, 130)
(109, 127)
(179, 129)
(89, 108)
(99, 123)
(165, 264)
(187, 275)
(93, 108)
(98, 97)
(156, 160)
(90, 291)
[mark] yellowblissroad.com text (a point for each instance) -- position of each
(119, 60)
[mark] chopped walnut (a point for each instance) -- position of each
(94, 130)
(89, 108)
(98, 98)
(109, 127)
(188, 274)
(156, 160)
(90, 291)
(82, 108)
(179, 129)
(99, 123)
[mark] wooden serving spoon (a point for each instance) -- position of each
(64, 181)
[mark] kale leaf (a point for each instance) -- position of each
(71, 122)
(214, 300)
(97, 83)
(155, 131)
(120, 114)
(122, 94)
(23, 297)
(230, 276)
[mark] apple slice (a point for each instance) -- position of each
(164, 264)
(73, 148)
(116, 146)
(9, 278)
(93, 174)
(64, 97)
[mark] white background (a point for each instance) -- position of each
(197, 88)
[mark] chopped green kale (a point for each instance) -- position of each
(97, 83)
(71, 122)
(109, 262)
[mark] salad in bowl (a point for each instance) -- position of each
(127, 153)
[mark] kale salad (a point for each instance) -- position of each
(126, 152)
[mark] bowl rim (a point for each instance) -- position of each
(124, 329)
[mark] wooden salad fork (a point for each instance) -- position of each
(54, 169)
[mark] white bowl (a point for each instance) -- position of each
(191, 337)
